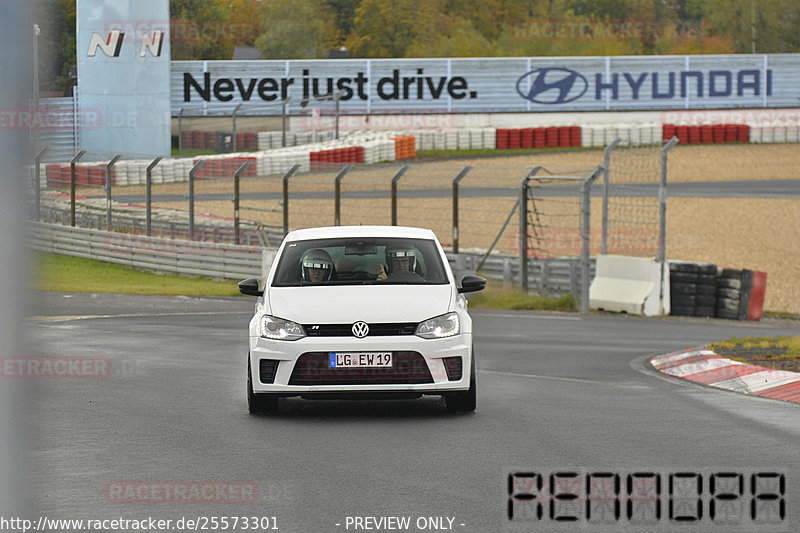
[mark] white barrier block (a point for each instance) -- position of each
(630, 285)
(489, 138)
(793, 134)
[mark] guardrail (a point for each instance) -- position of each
(550, 277)
(215, 260)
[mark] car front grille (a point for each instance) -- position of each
(346, 330)
(313, 368)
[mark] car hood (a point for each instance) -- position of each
(370, 303)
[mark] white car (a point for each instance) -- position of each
(361, 312)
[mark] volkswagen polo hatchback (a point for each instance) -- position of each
(361, 312)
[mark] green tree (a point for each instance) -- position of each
(777, 24)
(56, 21)
(200, 30)
(296, 29)
(384, 28)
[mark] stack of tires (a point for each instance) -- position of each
(693, 289)
(733, 293)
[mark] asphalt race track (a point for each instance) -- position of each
(556, 393)
(779, 189)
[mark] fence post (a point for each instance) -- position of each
(606, 166)
(336, 97)
(180, 133)
(192, 172)
(37, 176)
(283, 122)
(109, 166)
(286, 197)
(236, 177)
(586, 213)
(395, 179)
(662, 201)
(233, 116)
(337, 195)
(149, 182)
(455, 206)
(72, 186)
(523, 229)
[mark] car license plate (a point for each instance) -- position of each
(358, 360)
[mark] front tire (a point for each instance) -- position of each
(259, 403)
(464, 401)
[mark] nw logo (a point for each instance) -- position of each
(112, 45)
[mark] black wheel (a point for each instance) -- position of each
(681, 311)
(463, 402)
(727, 303)
(684, 267)
(704, 311)
(682, 277)
(731, 273)
(706, 279)
(683, 300)
(705, 301)
(724, 292)
(706, 290)
(727, 313)
(683, 288)
(729, 283)
(708, 270)
(259, 403)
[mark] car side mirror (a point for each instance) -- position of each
(470, 283)
(250, 287)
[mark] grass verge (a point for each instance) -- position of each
(64, 273)
(497, 296)
(781, 353)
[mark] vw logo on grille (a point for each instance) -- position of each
(360, 329)
(552, 85)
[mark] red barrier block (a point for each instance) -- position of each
(682, 132)
(694, 135)
(706, 134)
(501, 141)
(240, 140)
(744, 133)
(668, 131)
(575, 138)
(250, 141)
(359, 154)
(198, 139)
(527, 138)
(551, 137)
(514, 139)
(719, 133)
(563, 136)
(539, 137)
(96, 177)
(757, 291)
(210, 140)
(731, 133)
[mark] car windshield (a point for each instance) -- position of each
(360, 261)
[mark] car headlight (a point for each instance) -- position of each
(439, 327)
(280, 330)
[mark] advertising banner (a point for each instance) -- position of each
(541, 84)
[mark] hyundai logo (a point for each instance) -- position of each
(552, 85)
(360, 329)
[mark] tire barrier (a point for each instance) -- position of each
(209, 140)
(704, 290)
(548, 137)
(707, 134)
(693, 289)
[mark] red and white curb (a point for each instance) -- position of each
(706, 367)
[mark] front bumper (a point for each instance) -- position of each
(432, 352)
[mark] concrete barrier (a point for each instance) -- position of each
(633, 285)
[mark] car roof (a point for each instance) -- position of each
(333, 232)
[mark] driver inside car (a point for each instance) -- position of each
(399, 259)
(317, 266)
